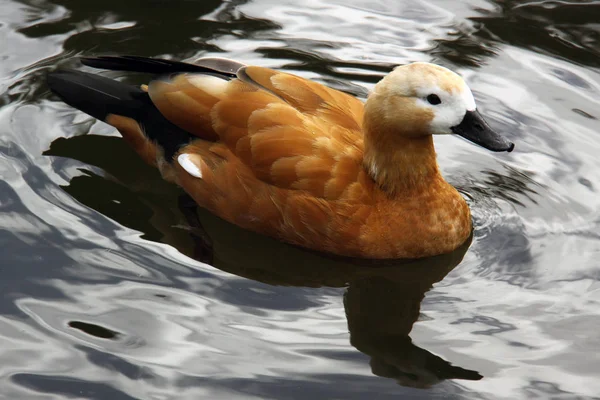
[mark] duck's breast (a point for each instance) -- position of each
(427, 224)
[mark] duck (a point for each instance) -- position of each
(290, 158)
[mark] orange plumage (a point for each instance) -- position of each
(301, 162)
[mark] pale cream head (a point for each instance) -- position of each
(430, 98)
(407, 107)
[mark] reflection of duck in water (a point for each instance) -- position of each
(292, 159)
(382, 300)
(381, 311)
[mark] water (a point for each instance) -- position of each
(108, 290)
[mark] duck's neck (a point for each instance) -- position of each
(400, 165)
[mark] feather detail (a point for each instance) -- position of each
(282, 155)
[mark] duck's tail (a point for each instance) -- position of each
(126, 107)
(96, 95)
(129, 108)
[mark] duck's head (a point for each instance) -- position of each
(422, 99)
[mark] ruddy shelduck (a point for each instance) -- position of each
(293, 159)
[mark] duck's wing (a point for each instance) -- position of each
(256, 145)
(286, 131)
(290, 132)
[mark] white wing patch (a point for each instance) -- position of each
(190, 167)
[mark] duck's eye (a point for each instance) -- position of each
(434, 99)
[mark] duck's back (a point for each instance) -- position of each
(288, 131)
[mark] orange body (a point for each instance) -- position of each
(295, 160)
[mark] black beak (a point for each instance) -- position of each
(474, 128)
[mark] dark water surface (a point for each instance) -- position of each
(102, 297)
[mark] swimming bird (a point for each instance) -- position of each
(293, 159)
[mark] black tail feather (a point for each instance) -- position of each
(99, 96)
(150, 65)
(96, 95)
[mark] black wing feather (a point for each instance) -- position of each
(99, 96)
(157, 66)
